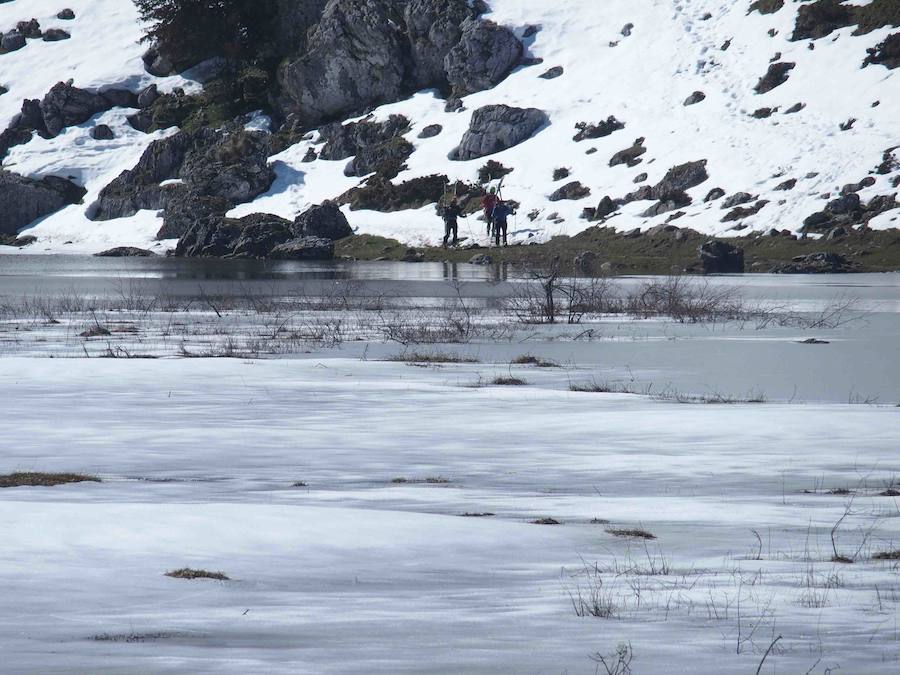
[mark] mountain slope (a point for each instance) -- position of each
(641, 75)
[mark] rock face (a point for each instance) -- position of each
(259, 235)
(848, 210)
(718, 257)
(816, 263)
(25, 200)
(495, 128)
(324, 221)
(485, 54)
(346, 140)
(886, 53)
(366, 52)
(212, 171)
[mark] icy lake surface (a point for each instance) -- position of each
(378, 514)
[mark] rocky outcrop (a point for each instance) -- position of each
(816, 263)
(587, 131)
(211, 171)
(259, 235)
(65, 106)
(847, 211)
(718, 257)
(483, 57)
(126, 252)
(886, 53)
(631, 157)
(574, 190)
(380, 194)
(24, 200)
(367, 52)
(495, 128)
(325, 221)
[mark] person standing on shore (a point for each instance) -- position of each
(488, 203)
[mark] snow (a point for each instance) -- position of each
(355, 573)
(642, 79)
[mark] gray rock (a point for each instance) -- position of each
(120, 98)
(304, 248)
(125, 252)
(680, 178)
(12, 41)
(65, 106)
(102, 132)
(148, 96)
(695, 98)
(30, 29)
(585, 262)
(210, 238)
(816, 263)
(260, 233)
(185, 209)
(55, 35)
(714, 194)
(25, 200)
(481, 259)
(737, 199)
(385, 159)
(570, 191)
(775, 76)
(718, 257)
(435, 28)
(354, 59)
(495, 128)
(66, 14)
(343, 141)
(552, 73)
(640, 178)
(673, 200)
(485, 55)
(431, 131)
(836, 233)
(325, 221)
(156, 63)
(629, 156)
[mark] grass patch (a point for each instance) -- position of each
(299, 483)
(431, 480)
(486, 514)
(546, 521)
(887, 555)
(419, 357)
(890, 492)
(631, 533)
(599, 521)
(94, 331)
(135, 637)
(508, 381)
(532, 360)
(44, 479)
(188, 573)
(594, 387)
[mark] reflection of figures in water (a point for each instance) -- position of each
(500, 272)
(451, 270)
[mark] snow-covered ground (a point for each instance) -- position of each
(642, 79)
(356, 573)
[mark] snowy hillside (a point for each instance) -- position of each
(635, 61)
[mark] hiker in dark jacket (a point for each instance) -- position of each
(501, 213)
(450, 213)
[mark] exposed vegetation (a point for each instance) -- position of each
(38, 479)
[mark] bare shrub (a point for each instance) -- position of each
(617, 663)
(589, 597)
(508, 381)
(188, 573)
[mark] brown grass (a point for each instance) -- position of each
(437, 357)
(632, 533)
(431, 480)
(188, 573)
(37, 479)
(508, 381)
(532, 360)
(887, 555)
(546, 521)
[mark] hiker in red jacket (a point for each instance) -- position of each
(488, 203)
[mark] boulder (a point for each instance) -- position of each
(588, 131)
(484, 56)
(65, 14)
(481, 259)
(65, 106)
(260, 233)
(886, 53)
(304, 248)
(431, 131)
(672, 201)
(157, 63)
(235, 167)
(570, 191)
(714, 194)
(56, 35)
(185, 208)
(25, 200)
(119, 98)
(148, 96)
(102, 132)
(629, 156)
(695, 98)
(325, 221)
(552, 73)
(718, 257)
(495, 128)
(126, 252)
(680, 178)
(736, 199)
(585, 262)
(343, 141)
(386, 159)
(209, 238)
(816, 263)
(775, 76)
(12, 41)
